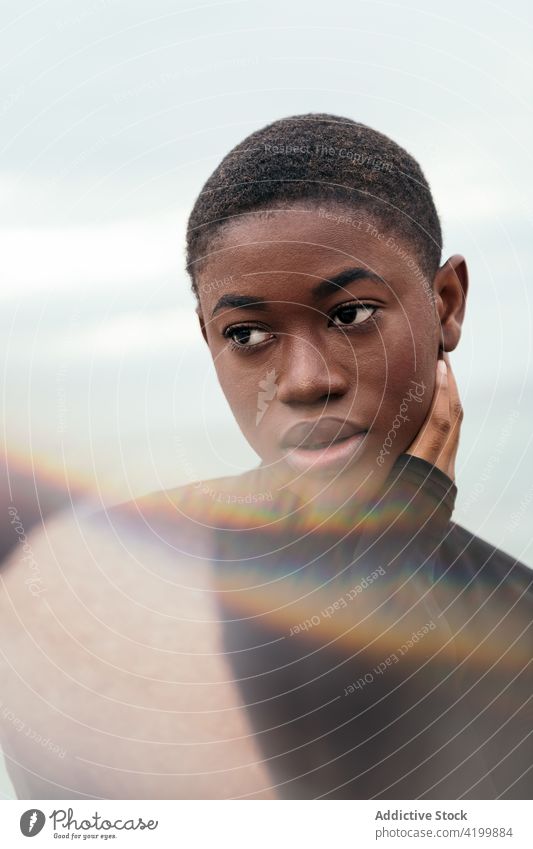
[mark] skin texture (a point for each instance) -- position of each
(359, 374)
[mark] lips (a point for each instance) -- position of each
(323, 446)
(318, 434)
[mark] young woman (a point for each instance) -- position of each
(349, 639)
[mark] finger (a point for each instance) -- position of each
(441, 404)
(456, 407)
(441, 411)
(436, 429)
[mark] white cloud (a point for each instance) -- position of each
(131, 333)
(73, 258)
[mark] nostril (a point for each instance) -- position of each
(308, 377)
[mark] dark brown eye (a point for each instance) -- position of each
(242, 335)
(352, 314)
(247, 337)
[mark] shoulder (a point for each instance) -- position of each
(199, 498)
(177, 524)
(480, 553)
(114, 654)
(186, 515)
(484, 573)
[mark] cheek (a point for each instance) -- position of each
(240, 387)
(398, 379)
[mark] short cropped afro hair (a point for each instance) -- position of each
(324, 158)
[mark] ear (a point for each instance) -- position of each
(202, 323)
(450, 286)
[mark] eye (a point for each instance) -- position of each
(352, 314)
(247, 337)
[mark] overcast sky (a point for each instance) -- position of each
(114, 113)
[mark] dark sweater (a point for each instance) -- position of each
(385, 654)
(387, 660)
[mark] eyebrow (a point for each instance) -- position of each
(349, 275)
(321, 290)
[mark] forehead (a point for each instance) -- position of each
(306, 242)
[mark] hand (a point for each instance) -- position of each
(438, 439)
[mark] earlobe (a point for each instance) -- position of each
(451, 287)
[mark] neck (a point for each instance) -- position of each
(339, 499)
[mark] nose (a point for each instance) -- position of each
(308, 374)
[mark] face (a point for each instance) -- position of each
(324, 339)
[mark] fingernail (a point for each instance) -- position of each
(441, 365)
